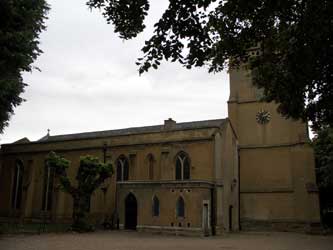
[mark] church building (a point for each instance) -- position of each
(204, 177)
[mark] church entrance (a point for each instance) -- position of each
(230, 218)
(131, 212)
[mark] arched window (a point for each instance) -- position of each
(119, 170)
(156, 206)
(180, 207)
(151, 161)
(122, 168)
(48, 188)
(17, 185)
(182, 166)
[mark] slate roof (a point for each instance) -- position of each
(23, 140)
(137, 130)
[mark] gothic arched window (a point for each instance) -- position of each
(48, 188)
(151, 160)
(180, 207)
(122, 168)
(182, 166)
(156, 206)
(17, 185)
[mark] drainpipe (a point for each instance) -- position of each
(213, 210)
(115, 217)
(104, 152)
(239, 183)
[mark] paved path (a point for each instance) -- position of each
(145, 241)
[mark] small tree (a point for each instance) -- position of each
(91, 174)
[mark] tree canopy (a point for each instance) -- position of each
(21, 22)
(293, 38)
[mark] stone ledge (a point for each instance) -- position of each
(280, 226)
(182, 231)
(168, 183)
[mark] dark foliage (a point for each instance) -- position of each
(323, 146)
(21, 22)
(293, 39)
(126, 15)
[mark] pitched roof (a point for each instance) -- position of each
(137, 130)
(22, 140)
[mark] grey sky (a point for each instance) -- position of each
(89, 81)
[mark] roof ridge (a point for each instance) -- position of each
(132, 128)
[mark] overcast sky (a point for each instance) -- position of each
(89, 81)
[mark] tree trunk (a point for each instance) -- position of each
(81, 207)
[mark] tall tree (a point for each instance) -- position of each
(21, 22)
(323, 146)
(293, 39)
(90, 175)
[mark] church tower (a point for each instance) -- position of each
(277, 174)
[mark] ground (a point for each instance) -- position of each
(133, 240)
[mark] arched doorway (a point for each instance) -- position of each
(230, 218)
(131, 212)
